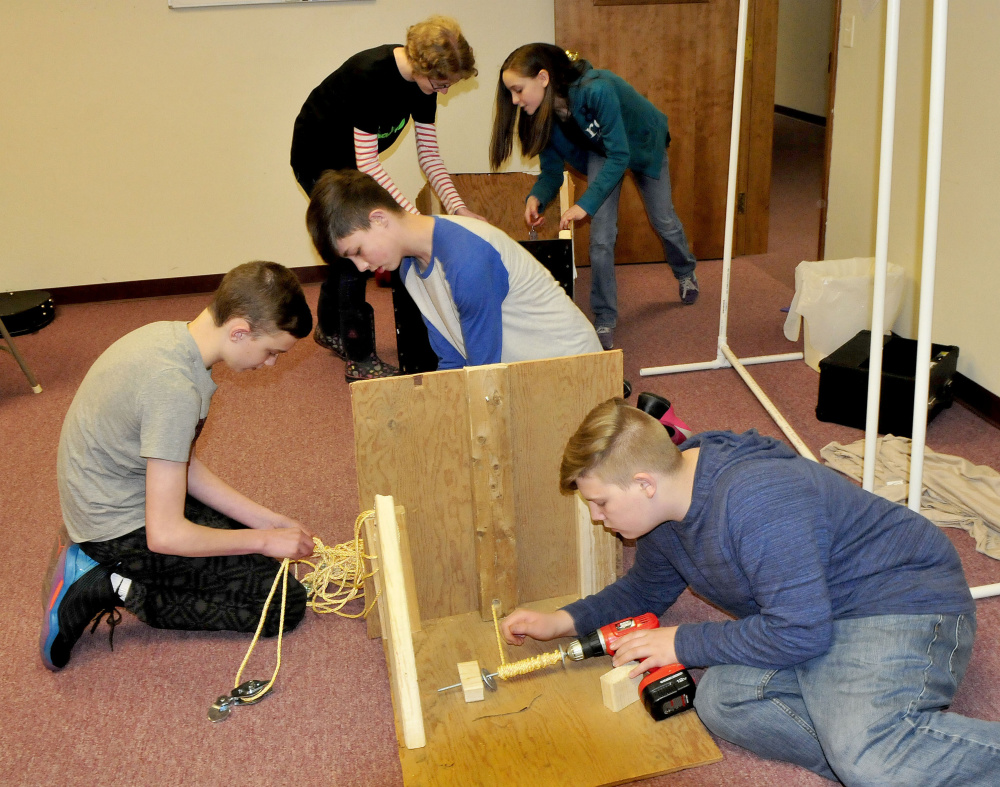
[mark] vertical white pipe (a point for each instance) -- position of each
(881, 239)
(734, 152)
(932, 200)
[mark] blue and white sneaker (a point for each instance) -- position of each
(79, 591)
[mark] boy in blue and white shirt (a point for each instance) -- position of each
(483, 297)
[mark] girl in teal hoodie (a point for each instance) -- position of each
(593, 120)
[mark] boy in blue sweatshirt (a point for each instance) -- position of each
(853, 623)
(483, 297)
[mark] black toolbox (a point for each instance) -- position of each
(843, 383)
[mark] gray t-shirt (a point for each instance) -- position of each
(146, 397)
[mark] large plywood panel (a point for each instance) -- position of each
(547, 727)
(412, 442)
(550, 399)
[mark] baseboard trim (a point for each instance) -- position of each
(798, 114)
(151, 288)
(979, 400)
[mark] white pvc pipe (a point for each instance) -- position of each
(932, 200)
(984, 591)
(881, 240)
(717, 364)
(699, 366)
(734, 153)
(773, 411)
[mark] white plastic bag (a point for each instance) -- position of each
(834, 297)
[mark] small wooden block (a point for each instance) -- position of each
(472, 680)
(619, 690)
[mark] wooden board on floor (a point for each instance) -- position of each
(547, 727)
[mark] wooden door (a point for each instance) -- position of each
(682, 56)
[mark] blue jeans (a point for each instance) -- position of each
(655, 193)
(867, 712)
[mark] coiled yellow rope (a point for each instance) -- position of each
(342, 565)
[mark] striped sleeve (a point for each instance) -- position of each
(366, 156)
(431, 163)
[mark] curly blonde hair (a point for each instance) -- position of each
(437, 50)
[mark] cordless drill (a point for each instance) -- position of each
(664, 691)
(604, 641)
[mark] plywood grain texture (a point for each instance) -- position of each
(468, 471)
(556, 395)
(498, 197)
(547, 727)
(492, 472)
(411, 442)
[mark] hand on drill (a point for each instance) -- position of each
(652, 648)
(542, 626)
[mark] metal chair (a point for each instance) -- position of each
(12, 348)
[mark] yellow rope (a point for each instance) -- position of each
(524, 666)
(342, 565)
(507, 671)
(283, 575)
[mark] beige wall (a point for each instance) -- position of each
(801, 74)
(967, 277)
(140, 142)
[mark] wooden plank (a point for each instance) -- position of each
(492, 468)
(372, 582)
(549, 727)
(550, 399)
(398, 639)
(412, 442)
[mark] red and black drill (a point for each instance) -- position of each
(664, 691)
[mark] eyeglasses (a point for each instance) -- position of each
(436, 86)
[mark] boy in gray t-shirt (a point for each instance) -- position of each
(151, 528)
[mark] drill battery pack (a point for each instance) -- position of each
(667, 691)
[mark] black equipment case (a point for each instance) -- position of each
(843, 383)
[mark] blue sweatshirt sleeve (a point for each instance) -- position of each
(479, 283)
(651, 585)
(551, 178)
(781, 544)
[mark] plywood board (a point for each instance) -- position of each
(547, 727)
(411, 439)
(469, 472)
(552, 397)
(499, 197)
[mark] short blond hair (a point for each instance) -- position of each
(437, 50)
(614, 442)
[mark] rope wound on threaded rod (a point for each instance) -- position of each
(506, 670)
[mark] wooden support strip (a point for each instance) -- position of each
(492, 486)
(372, 583)
(596, 552)
(395, 617)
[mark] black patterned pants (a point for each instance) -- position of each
(199, 593)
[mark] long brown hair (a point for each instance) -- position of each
(533, 131)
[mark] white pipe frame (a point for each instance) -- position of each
(725, 357)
